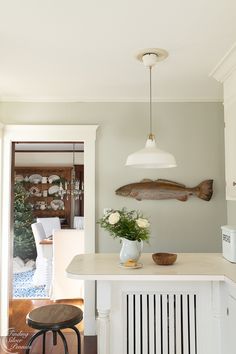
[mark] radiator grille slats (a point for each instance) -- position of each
(164, 319)
(185, 324)
(160, 323)
(137, 325)
(171, 325)
(144, 325)
(151, 324)
(131, 324)
(158, 337)
(178, 331)
(192, 326)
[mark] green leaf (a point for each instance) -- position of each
(126, 227)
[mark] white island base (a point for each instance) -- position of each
(186, 308)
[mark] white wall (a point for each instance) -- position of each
(193, 132)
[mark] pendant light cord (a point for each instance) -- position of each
(150, 102)
(73, 154)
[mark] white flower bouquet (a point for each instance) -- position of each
(126, 224)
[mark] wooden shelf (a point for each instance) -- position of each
(44, 213)
(62, 172)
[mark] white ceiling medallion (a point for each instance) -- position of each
(151, 156)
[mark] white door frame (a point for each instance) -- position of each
(46, 133)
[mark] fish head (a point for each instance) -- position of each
(124, 191)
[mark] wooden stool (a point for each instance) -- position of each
(54, 318)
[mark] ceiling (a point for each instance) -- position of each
(76, 50)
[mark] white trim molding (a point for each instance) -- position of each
(45, 133)
(226, 66)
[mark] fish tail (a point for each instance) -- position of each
(205, 190)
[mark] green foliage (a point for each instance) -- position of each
(24, 244)
(126, 224)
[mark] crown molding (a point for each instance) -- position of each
(110, 100)
(226, 66)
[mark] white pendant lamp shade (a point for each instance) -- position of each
(151, 156)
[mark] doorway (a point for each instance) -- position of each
(48, 187)
(57, 133)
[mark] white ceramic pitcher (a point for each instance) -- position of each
(130, 250)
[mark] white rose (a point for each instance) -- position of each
(143, 223)
(114, 218)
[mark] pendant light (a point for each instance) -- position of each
(73, 187)
(151, 156)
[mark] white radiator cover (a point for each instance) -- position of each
(163, 317)
(160, 323)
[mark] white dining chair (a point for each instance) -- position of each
(66, 244)
(50, 225)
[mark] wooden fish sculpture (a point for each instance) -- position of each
(164, 189)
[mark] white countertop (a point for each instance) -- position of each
(189, 266)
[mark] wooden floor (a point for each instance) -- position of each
(20, 333)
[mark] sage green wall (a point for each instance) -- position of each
(192, 131)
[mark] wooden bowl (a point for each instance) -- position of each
(164, 258)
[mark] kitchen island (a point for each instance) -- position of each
(186, 308)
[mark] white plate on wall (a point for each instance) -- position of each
(53, 190)
(53, 178)
(58, 203)
(35, 178)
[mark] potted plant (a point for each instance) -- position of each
(131, 227)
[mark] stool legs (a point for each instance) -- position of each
(64, 341)
(43, 332)
(44, 342)
(54, 337)
(78, 338)
(36, 335)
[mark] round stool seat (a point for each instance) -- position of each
(53, 317)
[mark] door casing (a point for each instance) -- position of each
(45, 133)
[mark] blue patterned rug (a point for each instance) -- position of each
(24, 288)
